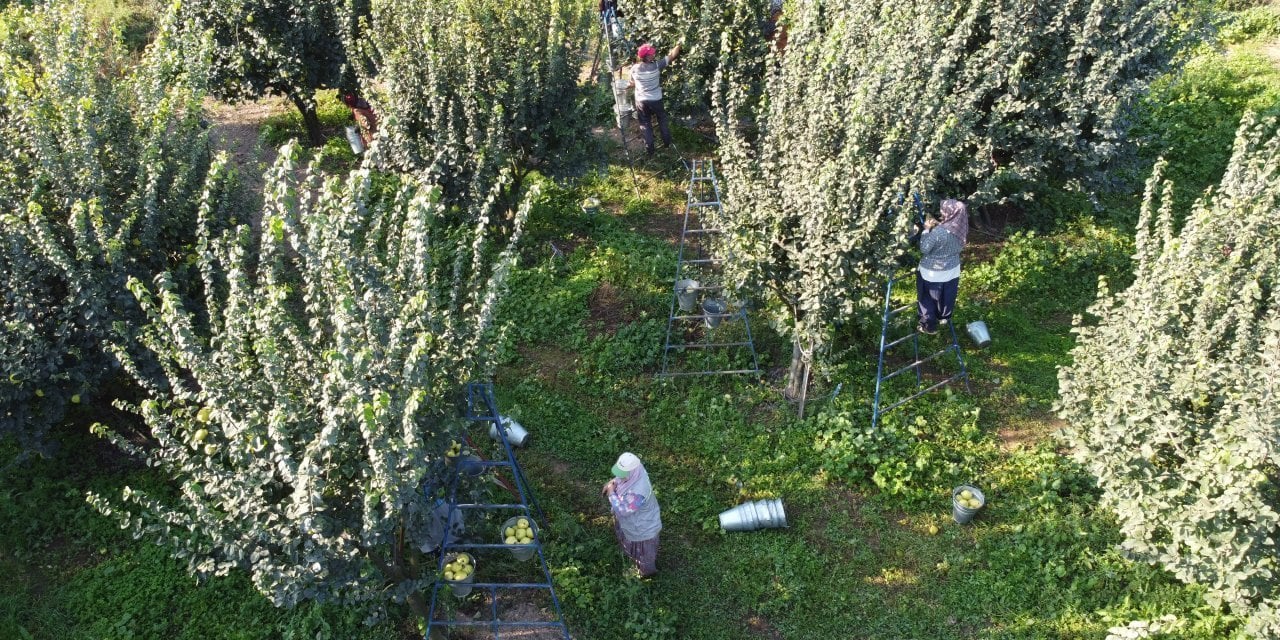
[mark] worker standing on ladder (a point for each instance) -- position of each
(611, 14)
(646, 77)
(938, 278)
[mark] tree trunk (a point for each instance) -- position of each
(310, 119)
(796, 377)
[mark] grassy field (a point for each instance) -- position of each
(871, 551)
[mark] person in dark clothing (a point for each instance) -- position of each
(606, 5)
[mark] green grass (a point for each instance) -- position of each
(858, 559)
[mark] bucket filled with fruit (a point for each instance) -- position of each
(459, 572)
(965, 503)
(521, 531)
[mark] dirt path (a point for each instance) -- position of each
(235, 130)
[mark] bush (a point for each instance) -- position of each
(1172, 397)
(102, 167)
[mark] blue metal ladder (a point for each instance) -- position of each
(702, 219)
(480, 407)
(913, 338)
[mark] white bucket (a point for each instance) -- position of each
(749, 516)
(978, 331)
(516, 434)
(354, 139)
(687, 295)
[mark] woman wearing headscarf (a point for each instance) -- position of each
(637, 520)
(938, 278)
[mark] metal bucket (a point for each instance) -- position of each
(354, 139)
(516, 434)
(524, 551)
(962, 513)
(712, 308)
(749, 516)
(461, 587)
(978, 331)
(470, 465)
(687, 295)
(591, 206)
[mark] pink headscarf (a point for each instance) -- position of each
(955, 219)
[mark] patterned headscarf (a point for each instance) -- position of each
(955, 218)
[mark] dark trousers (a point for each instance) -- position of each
(647, 109)
(936, 300)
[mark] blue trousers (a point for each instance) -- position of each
(936, 300)
(648, 110)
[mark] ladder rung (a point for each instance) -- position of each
(922, 392)
(677, 374)
(481, 506)
(706, 345)
(704, 261)
(898, 341)
(488, 545)
(689, 231)
(915, 364)
(894, 312)
(509, 585)
(714, 287)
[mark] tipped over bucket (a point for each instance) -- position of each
(978, 331)
(687, 295)
(516, 434)
(749, 516)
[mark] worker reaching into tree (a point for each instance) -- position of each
(364, 116)
(646, 77)
(938, 277)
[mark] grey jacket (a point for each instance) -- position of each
(941, 250)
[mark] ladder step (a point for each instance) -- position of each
(485, 505)
(704, 261)
(705, 345)
(922, 392)
(905, 307)
(693, 231)
(898, 341)
(915, 364)
(677, 374)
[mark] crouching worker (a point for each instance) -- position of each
(938, 278)
(637, 520)
(646, 77)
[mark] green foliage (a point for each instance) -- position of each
(917, 458)
(471, 86)
(299, 416)
(330, 111)
(1190, 119)
(101, 171)
(711, 30)
(1258, 22)
(870, 104)
(1056, 273)
(267, 47)
(1181, 431)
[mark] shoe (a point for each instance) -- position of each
(925, 330)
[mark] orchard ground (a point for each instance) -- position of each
(861, 557)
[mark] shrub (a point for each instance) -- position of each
(102, 164)
(301, 416)
(1172, 395)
